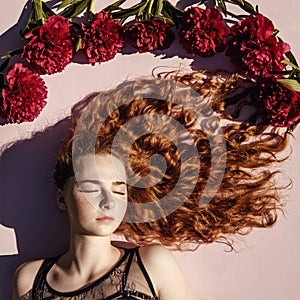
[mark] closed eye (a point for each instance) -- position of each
(119, 193)
(89, 191)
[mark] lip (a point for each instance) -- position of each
(105, 219)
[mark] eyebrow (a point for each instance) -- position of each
(100, 182)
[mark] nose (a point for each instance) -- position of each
(108, 202)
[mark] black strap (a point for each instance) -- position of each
(145, 273)
(39, 278)
(126, 271)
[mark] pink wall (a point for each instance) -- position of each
(267, 265)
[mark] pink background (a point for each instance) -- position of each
(267, 264)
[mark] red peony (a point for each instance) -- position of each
(150, 35)
(50, 47)
(102, 39)
(24, 97)
(280, 105)
(203, 32)
(254, 49)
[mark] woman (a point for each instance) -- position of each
(93, 268)
(125, 159)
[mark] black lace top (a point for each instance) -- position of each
(127, 280)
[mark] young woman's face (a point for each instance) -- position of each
(96, 199)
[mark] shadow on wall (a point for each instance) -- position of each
(28, 201)
(11, 39)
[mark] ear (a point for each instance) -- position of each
(60, 200)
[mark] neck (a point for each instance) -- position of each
(87, 254)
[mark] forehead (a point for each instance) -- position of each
(104, 167)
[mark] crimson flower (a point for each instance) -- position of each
(203, 32)
(24, 97)
(102, 38)
(50, 47)
(279, 105)
(254, 49)
(150, 35)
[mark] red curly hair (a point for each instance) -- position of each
(248, 194)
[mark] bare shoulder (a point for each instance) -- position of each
(155, 254)
(166, 274)
(158, 260)
(153, 249)
(24, 277)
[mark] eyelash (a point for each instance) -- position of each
(120, 193)
(94, 191)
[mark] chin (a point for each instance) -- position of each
(106, 230)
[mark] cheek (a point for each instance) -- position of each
(80, 207)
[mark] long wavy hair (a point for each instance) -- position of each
(180, 113)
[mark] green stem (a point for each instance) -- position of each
(149, 8)
(38, 10)
(91, 5)
(158, 8)
(12, 53)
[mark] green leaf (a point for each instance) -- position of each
(202, 2)
(78, 44)
(240, 2)
(47, 10)
(291, 83)
(122, 20)
(39, 13)
(173, 13)
(223, 6)
(292, 58)
(12, 53)
(249, 8)
(158, 7)
(65, 3)
(246, 6)
(38, 10)
(286, 62)
(293, 74)
(293, 127)
(75, 9)
(141, 10)
(174, 8)
(114, 6)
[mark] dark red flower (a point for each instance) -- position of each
(24, 97)
(50, 47)
(150, 35)
(102, 38)
(203, 32)
(254, 49)
(279, 105)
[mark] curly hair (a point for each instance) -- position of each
(194, 199)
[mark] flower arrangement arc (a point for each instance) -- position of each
(54, 36)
